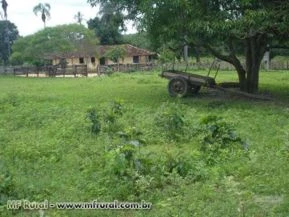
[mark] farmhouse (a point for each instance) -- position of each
(102, 55)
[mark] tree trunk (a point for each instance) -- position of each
(43, 17)
(242, 77)
(249, 76)
(255, 46)
(255, 49)
(186, 54)
(197, 51)
(249, 79)
(252, 78)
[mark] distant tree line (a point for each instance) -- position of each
(38, 48)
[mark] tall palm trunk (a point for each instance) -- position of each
(44, 9)
(43, 17)
(4, 7)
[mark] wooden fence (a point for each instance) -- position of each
(83, 70)
(107, 69)
(75, 70)
(45, 71)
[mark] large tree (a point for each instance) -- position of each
(34, 49)
(44, 10)
(140, 39)
(109, 25)
(8, 34)
(222, 27)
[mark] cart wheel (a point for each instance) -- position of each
(178, 87)
(195, 88)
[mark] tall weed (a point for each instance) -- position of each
(219, 140)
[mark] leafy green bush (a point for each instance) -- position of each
(110, 117)
(93, 117)
(136, 172)
(170, 121)
(186, 165)
(132, 135)
(219, 140)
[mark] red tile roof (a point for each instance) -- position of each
(129, 49)
(100, 51)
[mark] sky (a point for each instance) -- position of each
(62, 12)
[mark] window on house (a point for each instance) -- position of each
(136, 59)
(102, 61)
(92, 59)
(81, 60)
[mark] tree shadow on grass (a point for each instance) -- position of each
(277, 92)
(271, 94)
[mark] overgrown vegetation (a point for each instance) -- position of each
(35, 49)
(123, 138)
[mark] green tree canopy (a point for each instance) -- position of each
(109, 26)
(53, 40)
(8, 34)
(115, 53)
(219, 26)
(140, 39)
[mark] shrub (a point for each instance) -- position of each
(110, 117)
(93, 117)
(219, 139)
(170, 121)
(138, 171)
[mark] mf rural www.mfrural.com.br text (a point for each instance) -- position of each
(45, 205)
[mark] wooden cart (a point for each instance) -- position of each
(183, 83)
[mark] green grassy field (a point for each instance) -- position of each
(123, 138)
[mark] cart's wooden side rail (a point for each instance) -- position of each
(198, 80)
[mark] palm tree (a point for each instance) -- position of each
(6, 37)
(4, 7)
(78, 17)
(44, 9)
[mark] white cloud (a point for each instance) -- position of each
(62, 12)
